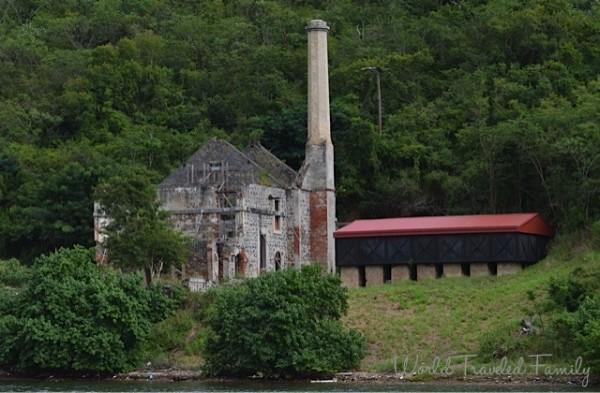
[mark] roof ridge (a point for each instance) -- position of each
(503, 222)
(260, 146)
(241, 153)
(533, 214)
(252, 161)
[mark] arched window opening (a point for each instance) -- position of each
(277, 260)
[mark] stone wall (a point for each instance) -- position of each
(400, 273)
(350, 276)
(425, 272)
(505, 268)
(479, 269)
(373, 275)
(452, 270)
(258, 219)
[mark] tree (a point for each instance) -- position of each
(77, 316)
(138, 234)
(281, 324)
(489, 105)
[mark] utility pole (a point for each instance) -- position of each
(377, 71)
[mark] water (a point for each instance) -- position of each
(259, 387)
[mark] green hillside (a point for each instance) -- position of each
(442, 317)
(452, 316)
(488, 105)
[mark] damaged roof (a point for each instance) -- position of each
(256, 165)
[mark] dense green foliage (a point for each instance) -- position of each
(74, 316)
(138, 234)
(575, 301)
(13, 274)
(562, 320)
(489, 105)
(281, 324)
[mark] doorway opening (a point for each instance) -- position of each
(262, 247)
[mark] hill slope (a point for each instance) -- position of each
(451, 316)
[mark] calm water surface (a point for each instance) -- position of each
(247, 387)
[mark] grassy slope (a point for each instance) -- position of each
(450, 316)
(441, 317)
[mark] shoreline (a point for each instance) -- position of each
(357, 377)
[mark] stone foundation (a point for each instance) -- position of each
(452, 270)
(425, 272)
(400, 273)
(373, 275)
(350, 276)
(509, 268)
(479, 269)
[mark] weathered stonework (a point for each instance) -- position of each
(350, 276)
(373, 275)
(452, 270)
(247, 212)
(400, 273)
(508, 268)
(425, 272)
(479, 269)
(317, 171)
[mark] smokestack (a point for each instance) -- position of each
(318, 83)
(318, 175)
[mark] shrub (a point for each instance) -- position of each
(75, 316)
(570, 292)
(576, 325)
(586, 328)
(170, 334)
(281, 324)
(13, 274)
(163, 300)
(500, 342)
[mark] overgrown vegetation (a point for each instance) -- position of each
(177, 341)
(562, 319)
(475, 315)
(575, 306)
(489, 106)
(74, 316)
(13, 274)
(281, 324)
(138, 235)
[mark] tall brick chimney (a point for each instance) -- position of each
(318, 180)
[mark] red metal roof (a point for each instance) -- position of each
(530, 223)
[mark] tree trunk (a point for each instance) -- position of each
(148, 276)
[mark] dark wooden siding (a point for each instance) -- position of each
(460, 248)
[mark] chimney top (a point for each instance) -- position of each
(317, 24)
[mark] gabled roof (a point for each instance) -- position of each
(530, 223)
(267, 160)
(242, 169)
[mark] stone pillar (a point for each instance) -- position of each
(318, 84)
(452, 270)
(400, 273)
(479, 269)
(373, 275)
(425, 271)
(505, 268)
(318, 176)
(350, 276)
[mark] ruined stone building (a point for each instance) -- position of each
(247, 212)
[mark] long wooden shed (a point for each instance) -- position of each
(370, 252)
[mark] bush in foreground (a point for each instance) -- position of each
(13, 274)
(282, 324)
(75, 316)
